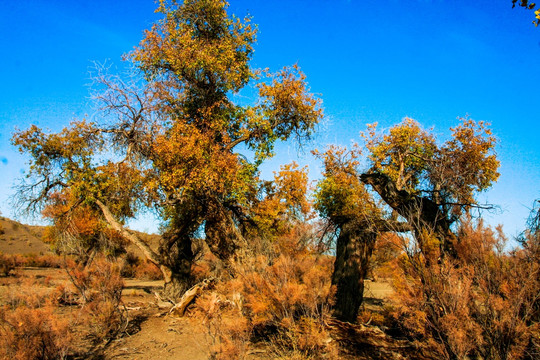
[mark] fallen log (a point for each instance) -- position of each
(189, 296)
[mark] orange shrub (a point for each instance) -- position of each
(480, 305)
(27, 334)
(45, 260)
(280, 297)
(227, 329)
(30, 325)
(147, 270)
(7, 264)
(100, 289)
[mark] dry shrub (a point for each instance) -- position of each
(13, 261)
(387, 249)
(28, 292)
(7, 264)
(483, 304)
(100, 289)
(147, 270)
(31, 326)
(282, 299)
(45, 260)
(227, 329)
(34, 324)
(128, 265)
(134, 267)
(33, 333)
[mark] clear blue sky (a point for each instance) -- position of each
(369, 61)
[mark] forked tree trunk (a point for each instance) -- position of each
(354, 248)
(426, 217)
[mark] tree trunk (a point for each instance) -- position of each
(354, 247)
(426, 217)
(177, 254)
(175, 286)
(221, 232)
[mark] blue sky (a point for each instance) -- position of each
(369, 61)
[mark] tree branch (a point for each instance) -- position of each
(148, 252)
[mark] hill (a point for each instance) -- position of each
(24, 239)
(17, 238)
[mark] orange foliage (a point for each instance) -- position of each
(283, 296)
(482, 304)
(451, 172)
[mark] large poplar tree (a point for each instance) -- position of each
(169, 138)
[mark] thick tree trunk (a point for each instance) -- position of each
(222, 234)
(177, 253)
(175, 286)
(354, 248)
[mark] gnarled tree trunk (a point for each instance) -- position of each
(355, 245)
(178, 256)
(222, 234)
(426, 217)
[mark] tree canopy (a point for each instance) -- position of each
(170, 136)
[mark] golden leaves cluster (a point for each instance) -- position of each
(340, 195)
(449, 172)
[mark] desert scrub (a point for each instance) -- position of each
(99, 287)
(279, 299)
(31, 326)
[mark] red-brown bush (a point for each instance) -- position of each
(481, 304)
(31, 326)
(7, 264)
(33, 333)
(100, 289)
(282, 299)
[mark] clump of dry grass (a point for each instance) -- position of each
(281, 298)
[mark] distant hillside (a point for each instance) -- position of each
(17, 238)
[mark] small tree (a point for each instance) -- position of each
(342, 199)
(169, 141)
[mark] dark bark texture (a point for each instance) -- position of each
(355, 245)
(426, 217)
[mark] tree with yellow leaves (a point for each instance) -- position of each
(423, 188)
(170, 139)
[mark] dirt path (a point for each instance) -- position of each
(162, 338)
